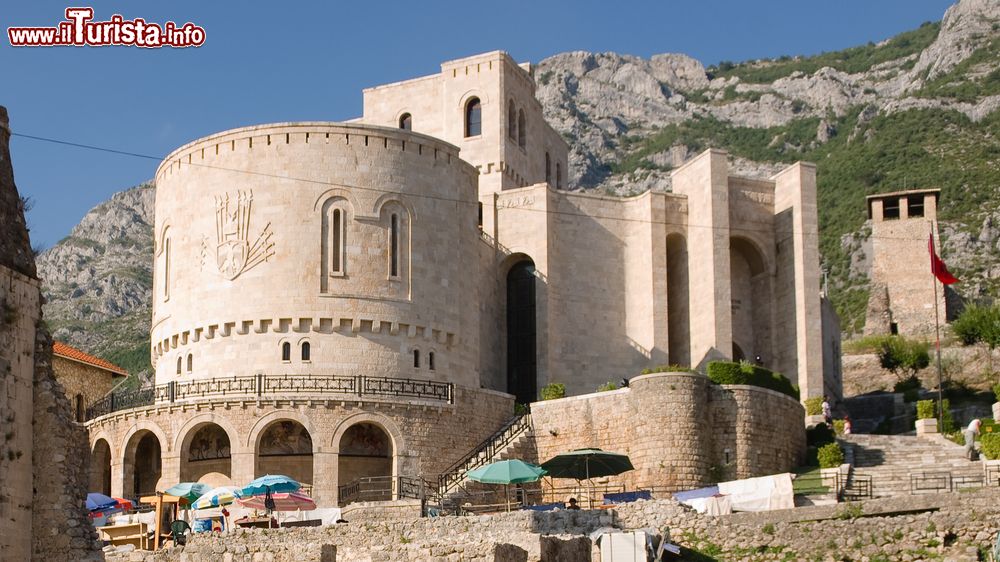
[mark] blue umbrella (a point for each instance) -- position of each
(271, 483)
(100, 502)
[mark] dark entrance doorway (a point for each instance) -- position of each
(522, 364)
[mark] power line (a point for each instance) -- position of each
(418, 195)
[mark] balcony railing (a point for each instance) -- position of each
(262, 386)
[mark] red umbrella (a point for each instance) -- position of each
(124, 504)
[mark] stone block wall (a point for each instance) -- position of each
(678, 429)
(77, 379)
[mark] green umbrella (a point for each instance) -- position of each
(189, 491)
(584, 464)
(506, 472)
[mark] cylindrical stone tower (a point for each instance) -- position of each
(316, 248)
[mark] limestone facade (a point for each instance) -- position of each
(903, 296)
(369, 298)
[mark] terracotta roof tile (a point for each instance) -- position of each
(70, 352)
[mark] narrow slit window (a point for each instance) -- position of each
(394, 245)
(306, 351)
(430, 360)
(548, 168)
(190, 362)
(473, 118)
(337, 244)
(558, 176)
(179, 359)
(416, 358)
(166, 269)
(286, 351)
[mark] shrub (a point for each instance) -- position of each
(727, 372)
(925, 410)
(907, 384)
(814, 406)
(838, 427)
(607, 386)
(947, 422)
(902, 356)
(819, 434)
(991, 445)
(830, 456)
(553, 391)
(996, 392)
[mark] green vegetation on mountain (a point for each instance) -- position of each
(913, 148)
(972, 79)
(852, 60)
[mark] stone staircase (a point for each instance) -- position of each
(892, 461)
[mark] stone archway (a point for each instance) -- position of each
(750, 285)
(285, 447)
(365, 454)
(206, 455)
(143, 464)
(100, 468)
(522, 331)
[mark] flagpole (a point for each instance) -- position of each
(937, 339)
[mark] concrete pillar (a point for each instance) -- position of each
(705, 182)
(799, 340)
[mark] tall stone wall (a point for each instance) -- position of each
(44, 455)
(679, 430)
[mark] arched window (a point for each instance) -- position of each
(406, 122)
(548, 168)
(511, 121)
(306, 350)
(337, 242)
(286, 351)
(430, 360)
(190, 362)
(394, 245)
(416, 358)
(521, 133)
(179, 362)
(473, 118)
(558, 176)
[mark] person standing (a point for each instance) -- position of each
(970, 439)
(847, 425)
(827, 413)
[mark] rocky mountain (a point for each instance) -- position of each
(97, 280)
(915, 110)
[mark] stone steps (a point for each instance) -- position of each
(893, 460)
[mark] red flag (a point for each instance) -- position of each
(937, 266)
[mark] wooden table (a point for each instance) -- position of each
(258, 522)
(136, 534)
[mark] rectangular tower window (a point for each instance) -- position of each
(915, 206)
(890, 209)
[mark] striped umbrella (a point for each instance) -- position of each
(218, 497)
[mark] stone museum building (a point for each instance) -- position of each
(339, 301)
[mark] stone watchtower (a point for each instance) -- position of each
(902, 299)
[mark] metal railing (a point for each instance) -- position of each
(384, 488)
(261, 385)
(484, 453)
(930, 482)
(859, 487)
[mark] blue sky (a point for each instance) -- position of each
(287, 61)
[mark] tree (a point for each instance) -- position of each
(979, 325)
(903, 357)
